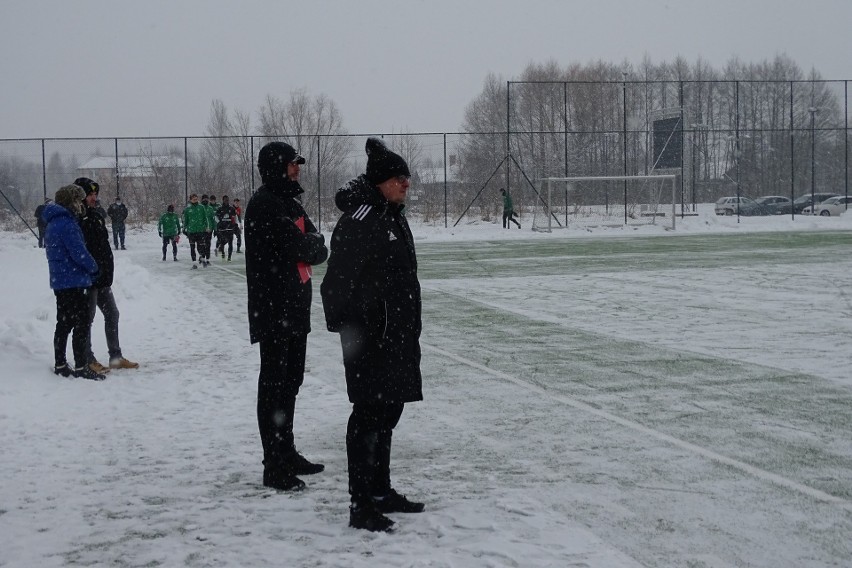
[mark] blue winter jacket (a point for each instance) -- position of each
(69, 263)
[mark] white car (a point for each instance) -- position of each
(731, 205)
(831, 207)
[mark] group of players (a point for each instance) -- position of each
(199, 222)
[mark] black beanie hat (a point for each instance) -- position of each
(88, 185)
(382, 164)
(273, 158)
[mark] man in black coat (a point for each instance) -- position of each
(281, 245)
(100, 294)
(371, 296)
(118, 215)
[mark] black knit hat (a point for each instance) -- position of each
(382, 164)
(88, 185)
(273, 158)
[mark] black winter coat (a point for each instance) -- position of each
(371, 296)
(279, 303)
(96, 236)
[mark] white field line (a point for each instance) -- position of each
(709, 454)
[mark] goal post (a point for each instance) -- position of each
(587, 201)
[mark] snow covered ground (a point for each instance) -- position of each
(601, 398)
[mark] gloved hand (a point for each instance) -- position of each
(160, 233)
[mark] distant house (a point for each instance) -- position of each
(133, 171)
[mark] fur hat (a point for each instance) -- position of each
(382, 164)
(273, 158)
(71, 197)
(88, 185)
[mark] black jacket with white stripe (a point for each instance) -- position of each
(371, 296)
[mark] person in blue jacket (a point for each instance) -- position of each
(72, 270)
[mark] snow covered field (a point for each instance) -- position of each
(600, 398)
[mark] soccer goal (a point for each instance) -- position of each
(605, 201)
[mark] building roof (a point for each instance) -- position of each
(133, 166)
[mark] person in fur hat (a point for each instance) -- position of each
(72, 270)
(371, 297)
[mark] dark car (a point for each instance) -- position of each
(775, 204)
(808, 200)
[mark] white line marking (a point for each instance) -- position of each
(709, 454)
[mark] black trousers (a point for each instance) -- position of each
(118, 234)
(282, 370)
(173, 241)
(72, 314)
(509, 216)
(239, 234)
(225, 237)
(196, 239)
(368, 447)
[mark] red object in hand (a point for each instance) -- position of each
(305, 270)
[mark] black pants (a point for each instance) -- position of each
(41, 238)
(208, 239)
(509, 216)
(226, 237)
(118, 234)
(239, 234)
(282, 370)
(368, 448)
(173, 241)
(72, 314)
(103, 299)
(196, 239)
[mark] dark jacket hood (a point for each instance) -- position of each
(360, 191)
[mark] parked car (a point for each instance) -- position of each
(738, 205)
(775, 204)
(832, 206)
(805, 200)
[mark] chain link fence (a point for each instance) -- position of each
(747, 138)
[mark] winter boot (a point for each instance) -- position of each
(122, 363)
(301, 465)
(363, 515)
(98, 368)
(393, 502)
(86, 373)
(281, 480)
(63, 370)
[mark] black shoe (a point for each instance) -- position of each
(301, 465)
(63, 370)
(282, 480)
(175, 259)
(393, 502)
(367, 517)
(164, 259)
(87, 373)
(122, 247)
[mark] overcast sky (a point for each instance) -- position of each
(79, 68)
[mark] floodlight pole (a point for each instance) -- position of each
(813, 111)
(624, 135)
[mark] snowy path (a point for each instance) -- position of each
(563, 425)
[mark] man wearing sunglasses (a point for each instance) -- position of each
(371, 296)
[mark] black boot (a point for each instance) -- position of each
(281, 479)
(85, 372)
(393, 502)
(301, 465)
(363, 515)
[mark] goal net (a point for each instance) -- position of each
(604, 201)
